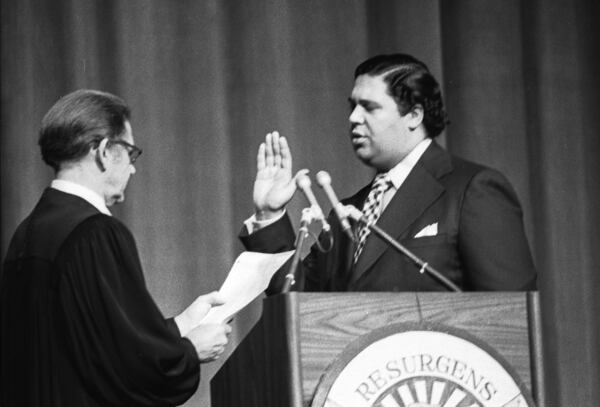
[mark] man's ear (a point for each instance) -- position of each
(101, 155)
(415, 116)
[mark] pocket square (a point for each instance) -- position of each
(429, 230)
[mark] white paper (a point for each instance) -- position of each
(248, 278)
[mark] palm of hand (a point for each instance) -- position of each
(273, 188)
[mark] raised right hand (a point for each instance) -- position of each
(274, 186)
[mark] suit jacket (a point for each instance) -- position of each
(480, 244)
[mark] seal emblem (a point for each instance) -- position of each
(420, 366)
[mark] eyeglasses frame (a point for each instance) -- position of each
(134, 152)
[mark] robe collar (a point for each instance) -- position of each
(79, 190)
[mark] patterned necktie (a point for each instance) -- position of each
(372, 210)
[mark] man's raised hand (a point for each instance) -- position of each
(274, 186)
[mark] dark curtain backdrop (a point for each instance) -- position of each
(207, 79)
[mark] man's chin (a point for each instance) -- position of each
(363, 155)
(115, 199)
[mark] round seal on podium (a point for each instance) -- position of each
(420, 365)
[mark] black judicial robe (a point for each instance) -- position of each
(78, 326)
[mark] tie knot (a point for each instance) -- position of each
(382, 181)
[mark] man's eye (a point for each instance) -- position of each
(369, 107)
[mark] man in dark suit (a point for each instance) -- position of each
(78, 326)
(462, 218)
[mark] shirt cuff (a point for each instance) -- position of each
(252, 224)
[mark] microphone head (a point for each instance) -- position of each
(323, 178)
(303, 181)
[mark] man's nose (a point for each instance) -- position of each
(356, 115)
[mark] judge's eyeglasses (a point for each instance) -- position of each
(133, 151)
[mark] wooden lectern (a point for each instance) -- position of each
(299, 335)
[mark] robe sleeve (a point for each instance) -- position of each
(125, 350)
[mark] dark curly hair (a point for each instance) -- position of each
(410, 83)
(76, 120)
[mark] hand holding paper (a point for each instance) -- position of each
(193, 314)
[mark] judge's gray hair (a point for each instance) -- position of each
(76, 121)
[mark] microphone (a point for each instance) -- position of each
(303, 182)
(324, 181)
(290, 277)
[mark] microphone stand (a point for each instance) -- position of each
(290, 278)
(425, 267)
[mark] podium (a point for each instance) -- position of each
(291, 351)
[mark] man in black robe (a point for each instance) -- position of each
(78, 326)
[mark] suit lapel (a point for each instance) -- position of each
(417, 193)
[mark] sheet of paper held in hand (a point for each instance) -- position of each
(248, 278)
